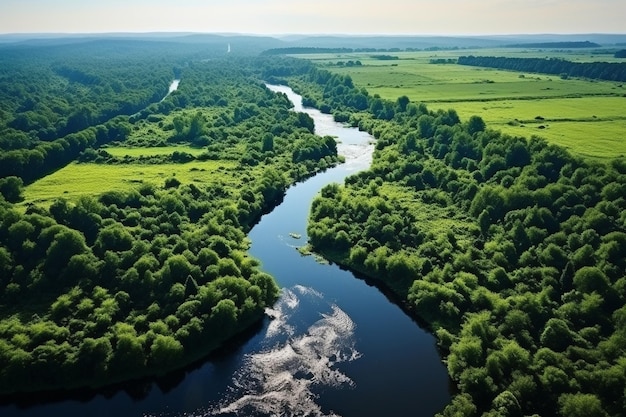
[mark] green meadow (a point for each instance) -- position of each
(78, 179)
(586, 116)
(137, 152)
(147, 139)
(432, 218)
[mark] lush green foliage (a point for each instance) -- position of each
(61, 98)
(512, 250)
(114, 282)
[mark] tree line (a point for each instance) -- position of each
(557, 45)
(609, 71)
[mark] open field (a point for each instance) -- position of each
(585, 116)
(76, 179)
(136, 152)
(432, 218)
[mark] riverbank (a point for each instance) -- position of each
(165, 375)
(115, 283)
(395, 291)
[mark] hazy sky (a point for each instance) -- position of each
(472, 17)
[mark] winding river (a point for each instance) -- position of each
(332, 345)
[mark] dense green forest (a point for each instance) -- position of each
(610, 71)
(511, 250)
(122, 284)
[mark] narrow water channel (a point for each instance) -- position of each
(332, 345)
(173, 87)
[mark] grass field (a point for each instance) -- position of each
(135, 152)
(77, 179)
(587, 117)
(431, 217)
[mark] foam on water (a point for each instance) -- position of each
(279, 381)
(308, 291)
(357, 156)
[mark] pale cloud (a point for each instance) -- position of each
(315, 16)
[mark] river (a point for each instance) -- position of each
(173, 87)
(332, 345)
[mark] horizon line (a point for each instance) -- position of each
(384, 34)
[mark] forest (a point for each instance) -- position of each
(509, 249)
(610, 71)
(119, 284)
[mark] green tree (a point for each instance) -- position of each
(590, 278)
(581, 405)
(475, 125)
(556, 335)
(224, 314)
(401, 103)
(165, 351)
(65, 245)
(506, 405)
(179, 125)
(11, 188)
(113, 238)
(93, 357)
(268, 143)
(462, 405)
(128, 356)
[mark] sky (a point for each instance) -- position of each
(414, 17)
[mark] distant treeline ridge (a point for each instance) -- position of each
(577, 45)
(296, 50)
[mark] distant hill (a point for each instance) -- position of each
(556, 45)
(240, 44)
(251, 44)
(391, 42)
(602, 39)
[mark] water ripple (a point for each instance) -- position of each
(279, 381)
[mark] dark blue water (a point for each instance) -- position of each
(333, 345)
